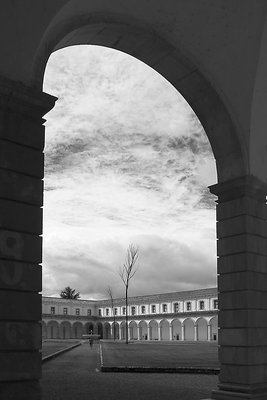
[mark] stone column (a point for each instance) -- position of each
(21, 199)
(111, 332)
(209, 332)
(195, 332)
(159, 332)
(129, 332)
(139, 333)
(148, 332)
(120, 332)
(242, 287)
(182, 331)
(171, 331)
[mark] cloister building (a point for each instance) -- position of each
(187, 315)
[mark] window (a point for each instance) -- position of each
(115, 311)
(99, 312)
(143, 309)
(164, 307)
(53, 310)
(153, 308)
(65, 311)
(107, 311)
(89, 312)
(201, 305)
(188, 306)
(133, 310)
(124, 310)
(77, 311)
(215, 303)
(176, 307)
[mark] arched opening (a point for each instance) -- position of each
(143, 330)
(77, 330)
(65, 330)
(99, 329)
(107, 331)
(133, 334)
(176, 329)
(123, 330)
(165, 330)
(188, 329)
(89, 328)
(52, 330)
(214, 328)
(153, 329)
(202, 329)
(115, 328)
(188, 80)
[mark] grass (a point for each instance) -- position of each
(53, 345)
(160, 354)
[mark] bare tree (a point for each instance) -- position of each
(126, 273)
(109, 291)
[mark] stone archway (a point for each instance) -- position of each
(214, 328)
(143, 329)
(77, 330)
(202, 329)
(133, 331)
(176, 329)
(242, 198)
(188, 329)
(165, 329)
(65, 330)
(52, 330)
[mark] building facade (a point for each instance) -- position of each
(187, 315)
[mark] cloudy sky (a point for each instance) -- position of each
(126, 161)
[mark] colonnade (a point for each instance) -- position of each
(194, 329)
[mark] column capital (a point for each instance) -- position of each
(22, 98)
(245, 186)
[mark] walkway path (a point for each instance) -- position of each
(75, 375)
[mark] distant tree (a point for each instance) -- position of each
(110, 294)
(69, 293)
(126, 273)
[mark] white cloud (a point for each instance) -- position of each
(126, 161)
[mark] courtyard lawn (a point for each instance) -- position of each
(160, 354)
(54, 345)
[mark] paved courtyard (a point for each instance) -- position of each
(75, 375)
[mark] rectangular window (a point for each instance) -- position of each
(107, 311)
(176, 307)
(53, 310)
(164, 307)
(215, 303)
(133, 310)
(124, 310)
(99, 312)
(201, 305)
(77, 311)
(153, 308)
(115, 311)
(143, 309)
(65, 311)
(188, 306)
(89, 312)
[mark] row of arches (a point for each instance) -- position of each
(199, 329)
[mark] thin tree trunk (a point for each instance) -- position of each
(126, 319)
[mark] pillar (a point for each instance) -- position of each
(21, 199)
(111, 332)
(159, 332)
(139, 333)
(171, 331)
(182, 331)
(242, 287)
(120, 332)
(148, 332)
(195, 332)
(129, 332)
(209, 332)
